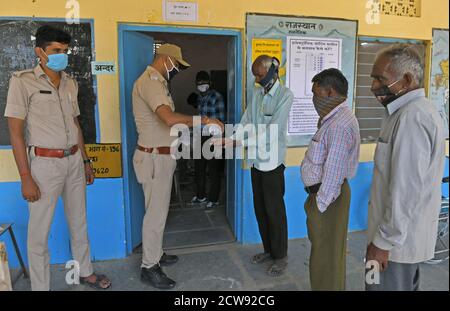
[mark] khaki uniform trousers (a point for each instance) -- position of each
(328, 235)
(155, 173)
(56, 177)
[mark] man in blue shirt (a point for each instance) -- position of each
(266, 116)
(210, 104)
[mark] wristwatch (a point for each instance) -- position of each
(87, 161)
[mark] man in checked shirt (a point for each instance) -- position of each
(210, 104)
(331, 159)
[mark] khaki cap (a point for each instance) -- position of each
(174, 51)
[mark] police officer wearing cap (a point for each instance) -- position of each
(154, 113)
(48, 147)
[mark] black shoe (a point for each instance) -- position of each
(167, 260)
(157, 278)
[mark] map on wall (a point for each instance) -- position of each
(439, 72)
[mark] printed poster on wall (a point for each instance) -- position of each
(308, 45)
(271, 47)
(306, 57)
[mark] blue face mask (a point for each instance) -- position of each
(57, 62)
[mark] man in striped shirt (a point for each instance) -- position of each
(331, 159)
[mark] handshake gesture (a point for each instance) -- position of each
(225, 142)
(217, 122)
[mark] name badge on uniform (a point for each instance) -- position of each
(45, 92)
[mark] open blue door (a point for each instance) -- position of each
(232, 119)
(137, 54)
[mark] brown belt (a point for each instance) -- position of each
(55, 153)
(160, 150)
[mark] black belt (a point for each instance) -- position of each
(313, 189)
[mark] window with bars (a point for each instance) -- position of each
(368, 110)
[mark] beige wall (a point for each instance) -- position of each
(215, 14)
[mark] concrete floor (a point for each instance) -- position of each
(227, 267)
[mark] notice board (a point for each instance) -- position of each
(305, 46)
(106, 160)
(17, 53)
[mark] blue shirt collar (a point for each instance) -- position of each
(273, 89)
(405, 99)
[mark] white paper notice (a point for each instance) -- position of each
(180, 11)
(306, 57)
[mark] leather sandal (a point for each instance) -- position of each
(98, 282)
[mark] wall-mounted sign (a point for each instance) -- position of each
(103, 68)
(106, 159)
(306, 57)
(271, 47)
(174, 11)
(308, 45)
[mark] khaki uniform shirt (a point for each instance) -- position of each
(149, 92)
(48, 112)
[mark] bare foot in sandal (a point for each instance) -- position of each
(260, 258)
(99, 281)
(278, 267)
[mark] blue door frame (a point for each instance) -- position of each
(236, 183)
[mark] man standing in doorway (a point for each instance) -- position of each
(211, 105)
(405, 197)
(154, 114)
(330, 161)
(42, 105)
(268, 109)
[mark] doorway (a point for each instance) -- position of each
(219, 53)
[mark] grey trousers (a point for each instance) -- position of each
(398, 277)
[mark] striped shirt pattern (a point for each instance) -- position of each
(332, 155)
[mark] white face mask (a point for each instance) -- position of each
(172, 72)
(203, 88)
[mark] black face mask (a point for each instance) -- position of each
(387, 93)
(173, 73)
(270, 78)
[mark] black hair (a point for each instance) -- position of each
(47, 34)
(202, 76)
(333, 78)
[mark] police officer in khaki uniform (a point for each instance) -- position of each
(154, 113)
(48, 147)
